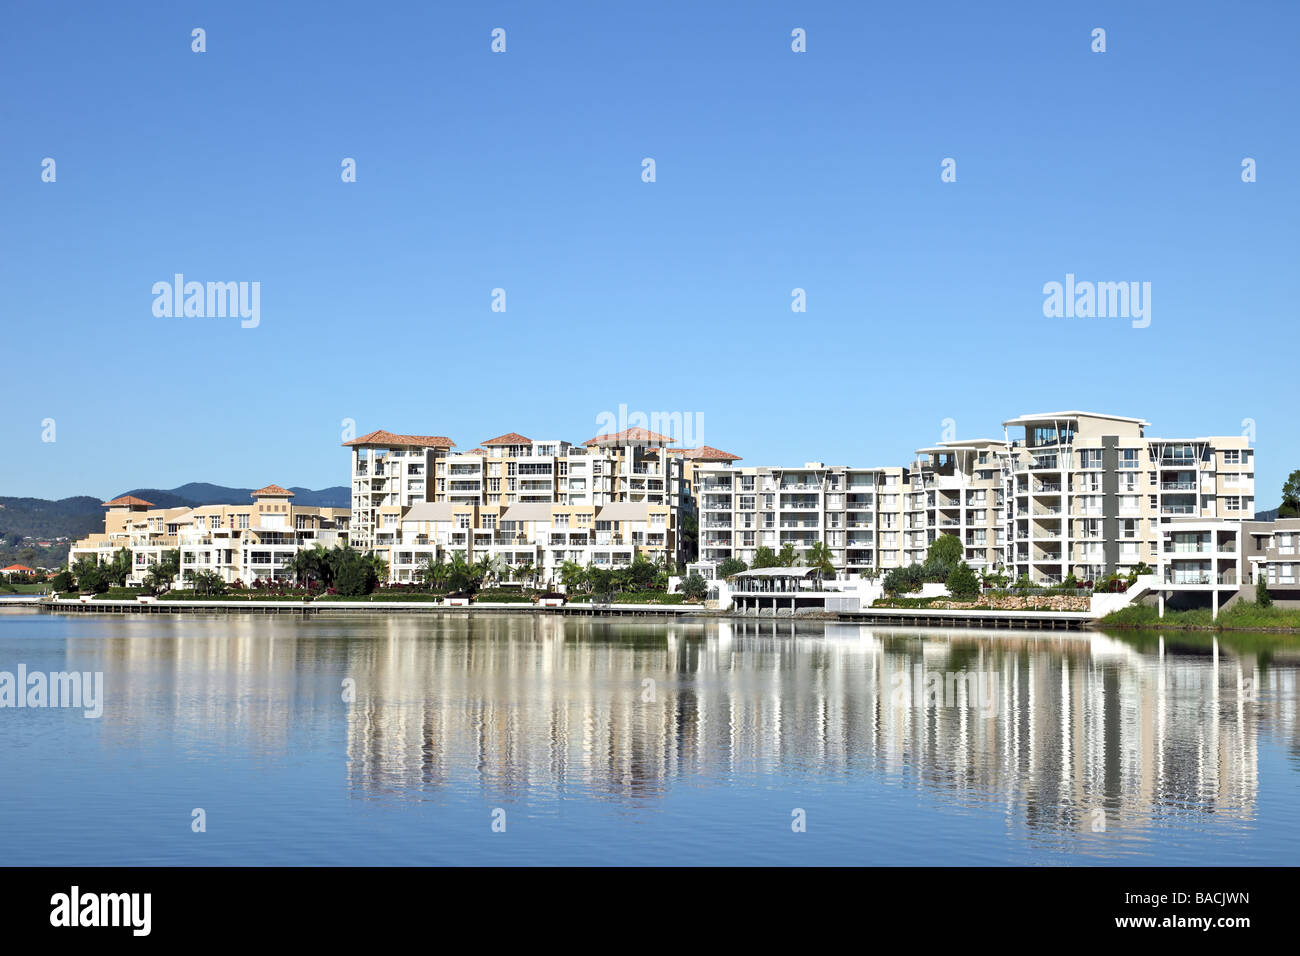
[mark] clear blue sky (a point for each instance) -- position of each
(522, 170)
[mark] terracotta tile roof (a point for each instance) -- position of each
(382, 437)
(629, 436)
(476, 451)
(17, 567)
(704, 453)
(510, 438)
(128, 500)
(272, 491)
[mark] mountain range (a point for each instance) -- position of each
(82, 514)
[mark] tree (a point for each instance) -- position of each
(788, 558)
(1290, 507)
(209, 583)
(695, 588)
(962, 582)
(903, 580)
(731, 567)
(1262, 597)
(433, 573)
(91, 577)
(572, 575)
(819, 558)
(765, 557)
(355, 575)
(945, 553)
(524, 572)
(62, 581)
(120, 569)
(689, 536)
(306, 565)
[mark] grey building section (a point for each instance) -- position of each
(1110, 502)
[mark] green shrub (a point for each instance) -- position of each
(963, 583)
(1262, 597)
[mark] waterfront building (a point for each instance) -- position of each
(520, 501)
(244, 543)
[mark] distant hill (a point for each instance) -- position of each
(202, 493)
(79, 516)
(1269, 515)
(40, 518)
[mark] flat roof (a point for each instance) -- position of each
(775, 573)
(1057, 416)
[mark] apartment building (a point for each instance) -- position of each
(528, 501)
(245, 543)
(1092, 494)
(857, 512)
(956, 488)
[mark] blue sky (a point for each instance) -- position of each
(522, 171)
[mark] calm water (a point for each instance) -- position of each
(643, 744)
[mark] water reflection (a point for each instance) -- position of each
(1067, 733)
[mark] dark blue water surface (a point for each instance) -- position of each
(610, 742)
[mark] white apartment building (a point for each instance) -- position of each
(1093, 494)
(1061, 493)
(857, 512)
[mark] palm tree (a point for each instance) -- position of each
(524, 572)
(819, 558)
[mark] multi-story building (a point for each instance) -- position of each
(532, 502)
(956, 488)
(1091, 494)
(857, 512)
(244, 543)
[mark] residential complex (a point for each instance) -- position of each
(521, 501)
(1059, 494)
(245, 543)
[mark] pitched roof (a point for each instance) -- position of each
(629, 436)
(128, 500)
(272, 491)
(381, 437)
(16, 567)
(476, 451)
(510, 438)
(704, 453)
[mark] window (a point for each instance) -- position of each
(1090, 458)
(1232, 456)
(243, 521)
(1232, 503)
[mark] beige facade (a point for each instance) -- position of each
(243, 543)
(519, 501)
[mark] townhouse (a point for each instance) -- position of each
(243, 543)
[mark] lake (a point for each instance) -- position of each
(529, 739)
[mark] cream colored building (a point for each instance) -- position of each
(518, 500)
(241, 543)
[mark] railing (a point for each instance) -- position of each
(1177, 509)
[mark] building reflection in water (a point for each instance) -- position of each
(1077, 725)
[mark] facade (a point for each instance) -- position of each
(1092, 494)
(1061, 493)
(520, 501)
(1271, 553)
(243, 543)
(857, 512)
